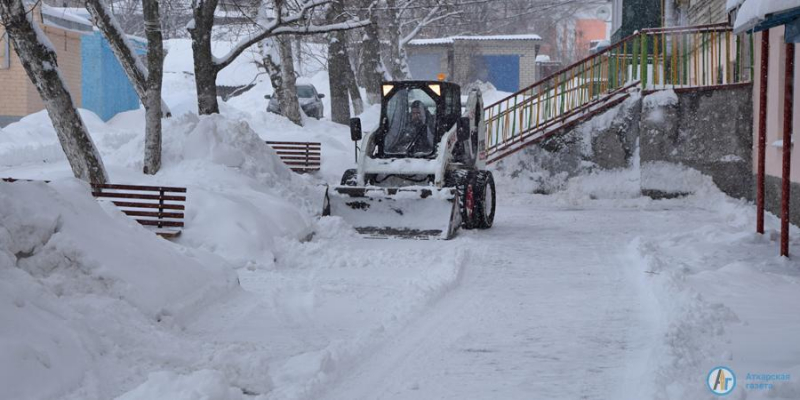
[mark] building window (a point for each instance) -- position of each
(5, 52)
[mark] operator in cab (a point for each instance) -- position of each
(417, 137)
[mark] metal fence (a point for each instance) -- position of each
(652, 59)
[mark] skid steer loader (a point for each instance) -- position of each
(421, 174)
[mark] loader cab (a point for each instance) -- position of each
(414, 117)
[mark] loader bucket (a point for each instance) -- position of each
(407, 212)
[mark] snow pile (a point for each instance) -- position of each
(673, 178)
(240, 194)
(719, 289)
(656, 102)
(752, 12)
(76, 289)
(205, 384)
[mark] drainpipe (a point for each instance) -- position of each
(787, 147)
(762, 131)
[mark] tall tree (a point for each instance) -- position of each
(207, 67)
(338, 64)
(155, 76)
(39, 60)
(147, 81)
(290, 105)
(371, 67)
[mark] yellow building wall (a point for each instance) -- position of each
(18, 96)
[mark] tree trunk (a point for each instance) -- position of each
(205, 70)
(352, 85)
(39, 60)
(155, 74)
(120, 46)
(337, 69)
(271, 63)
(393, 32)
(371, 74)
(290, 106)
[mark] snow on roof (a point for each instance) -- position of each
(731, 4)
(542, 58)
(452, 39)
(65, 18)
(752, 12)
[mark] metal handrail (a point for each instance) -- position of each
(657, 58)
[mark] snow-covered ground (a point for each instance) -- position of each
(591, 293)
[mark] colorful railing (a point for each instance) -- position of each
(652, 59)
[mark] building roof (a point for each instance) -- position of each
(452, 39)
(753, 13)
(65, 18)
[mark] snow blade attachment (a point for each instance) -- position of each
(409, 212)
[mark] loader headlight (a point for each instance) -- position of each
(436, 89)
(387, 89)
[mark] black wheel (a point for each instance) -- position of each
(485, 200)
(464, 181)
(350, 178)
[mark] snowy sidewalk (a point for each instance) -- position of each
(548, 309)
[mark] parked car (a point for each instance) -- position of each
(310, 102)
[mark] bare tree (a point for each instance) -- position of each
(146, 81)
(290, 105)
(39, 60)
(338, 64)
(406, 19)
(207, 67)
(371, 70)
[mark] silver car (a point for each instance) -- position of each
(310, 102)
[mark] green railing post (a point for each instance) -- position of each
(635, 60)
(644, 55)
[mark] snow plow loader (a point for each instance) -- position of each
(421, 174)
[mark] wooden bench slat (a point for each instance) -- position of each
(156, 214)
(159, 222)
(316, 153)
(301, 158)
(280, 149)
(140, 188)
(295, 143)
(149, 205)
(314, 163)
(168, 234)
(138, 196)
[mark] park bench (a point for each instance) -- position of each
(159, 208)
(300, 157)
(155, 207)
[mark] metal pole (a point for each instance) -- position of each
(762, 131)
(787, 147)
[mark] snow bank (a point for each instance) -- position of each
(752, 12)
(718, 289)
(240, 194)
(74, 283)
(205, 385)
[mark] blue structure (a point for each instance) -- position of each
(105, 87)
(503, 72)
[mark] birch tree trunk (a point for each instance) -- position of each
(146, 81)
(271, 63)
(290, 106)
(39, 60)
(152, 99)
